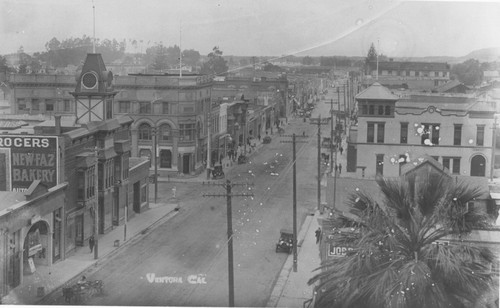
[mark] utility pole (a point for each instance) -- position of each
(209, 126)
(228, 195)
(155, 149)
(319, 163)
(493, 148)
(331, 133)
(294, 199)
(96, 205)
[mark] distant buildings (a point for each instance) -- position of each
(407, 75)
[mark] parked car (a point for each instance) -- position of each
(267, 139)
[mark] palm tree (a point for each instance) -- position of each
(395, 261)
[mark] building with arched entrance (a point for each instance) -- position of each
(170, 116)
(31, 233)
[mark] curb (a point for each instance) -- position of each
(107, 257)
(282, 280)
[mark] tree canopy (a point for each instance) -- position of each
(216, 65)
(469, 72)
(395, 261)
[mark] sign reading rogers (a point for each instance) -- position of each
(31, 158)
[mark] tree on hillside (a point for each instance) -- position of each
(160, 61)
(190, 57)
(468, 72)
(269, 67)
(307, 60)
(173, 55)
(372, 54)
(216, 65)
(395, 261)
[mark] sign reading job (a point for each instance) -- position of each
(31, 158)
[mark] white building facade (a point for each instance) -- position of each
(393, 130)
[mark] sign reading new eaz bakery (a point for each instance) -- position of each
(25, 158)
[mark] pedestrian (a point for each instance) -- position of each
(341, 150)
(91, 243)
(318, 234)
(304, 133)
(340, 168)
(336, 168)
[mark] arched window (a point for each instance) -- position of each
(165, 159)
(145, 132)
(165, 132)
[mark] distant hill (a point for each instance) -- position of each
(484, 55)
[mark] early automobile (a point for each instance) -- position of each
(267, 139)
(217, 172)
(285, 242)
(242, 159)
(82, 291)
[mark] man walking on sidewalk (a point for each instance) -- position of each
(340, 168)
(318, 234)
(91, 243)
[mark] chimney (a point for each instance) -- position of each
(58, 124)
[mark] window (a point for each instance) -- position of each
(80, 190)
(144, 108)
(86, 183)
(454, 162)
(49, 105)
(144, 132)
(364, 109)
(430, 134)
(457, 134)
(187, 131)
(66, 105)
(480, 135)
(370, 133)
(164, 108)
(404, 133)
(165, 159)
(123, 107)
(380, 132)
(35, 104)
(144, 193)
(125, 164)
(387, 110)
(379, 166)
(188, 109)
(21, 104)
(109, 173)
(456, 166)
(371, 109)
(380, 110)
(165, 132)
(91, 179)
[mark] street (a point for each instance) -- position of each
(184, 261)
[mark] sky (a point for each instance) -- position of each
(397, 28)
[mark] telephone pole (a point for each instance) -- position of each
(319, 163)
(294, 198)
(228, 195)
(493, 146)
(331, 133)
(155, 150)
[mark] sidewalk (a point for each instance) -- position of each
(291, 288)
(53, 277)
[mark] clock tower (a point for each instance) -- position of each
(94, 93)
